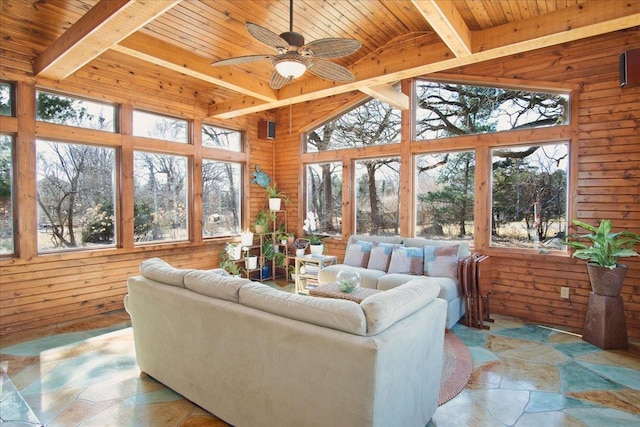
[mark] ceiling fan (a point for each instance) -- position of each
(294, 57)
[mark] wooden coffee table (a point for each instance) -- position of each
(331, 290)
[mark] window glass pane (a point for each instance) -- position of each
(160, 197)
(159, 127)
(324, 196)
(75, 195)
(78, 112)
(6, 101)
(227, 139)
(221, 201)
(529, 196)
(6, 191)
(377, 184)
(373, 123)
(449, 109)
(444, 195)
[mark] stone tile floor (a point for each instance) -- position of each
(524, 375)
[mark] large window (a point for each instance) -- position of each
(444, 188)
(6, 192)
(450, 109)
(155, 126)
(529, 196)
(324, 196)
(373, 123)
(377, 186)
(75, 195)
(160, 197)
(221, 198)
(78, 112)
(227, 139)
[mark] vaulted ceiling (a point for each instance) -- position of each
(57, 40)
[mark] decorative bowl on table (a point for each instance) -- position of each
(348, 280)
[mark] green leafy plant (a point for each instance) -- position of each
(230, 266)
(606, 247)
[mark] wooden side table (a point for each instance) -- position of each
(307, 268)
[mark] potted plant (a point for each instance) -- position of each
(605, 273)
(262, 221)
(231, 267)
(234, 250)
(315, 241)
(275, 197)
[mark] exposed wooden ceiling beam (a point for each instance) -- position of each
(182, 61)
(103, 25)
(420, 58)
(388, 94)
(445, 20)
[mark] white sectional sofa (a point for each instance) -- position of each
(439, 267)
(258, 356)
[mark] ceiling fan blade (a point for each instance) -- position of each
(331, 48)
(266, 36)
(330, 71)
(278, 81)
(241, 60)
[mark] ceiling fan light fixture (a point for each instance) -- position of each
(290, 66)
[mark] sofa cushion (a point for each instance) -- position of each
(406, 260)
(449, 287)
(357, 253)
(368, 278)
(380, 256)
(441, 261)
(160, 271)
(214, 284)
(337, 314)
(386, 308)
(463, 246)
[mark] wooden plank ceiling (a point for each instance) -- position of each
(176, 40)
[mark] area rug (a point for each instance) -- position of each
(456, 368)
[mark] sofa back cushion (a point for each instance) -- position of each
(407, 261)
(463, 246)
(357, 253)
(342, 315)
(160, 271)
(381, 256)
(215, 285)
(383, 309)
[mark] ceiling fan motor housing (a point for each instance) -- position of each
(293, 38)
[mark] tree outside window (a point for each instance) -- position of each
(217, 137)
(70, 111)
(6, 99)
(155, 126)
(6, 195)
(445, 195)
(324, 196)
(450, 109)
(221, 201)
(160, 196)
(529, 196)
(75, 195)
(377, 184)
(372, 123)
